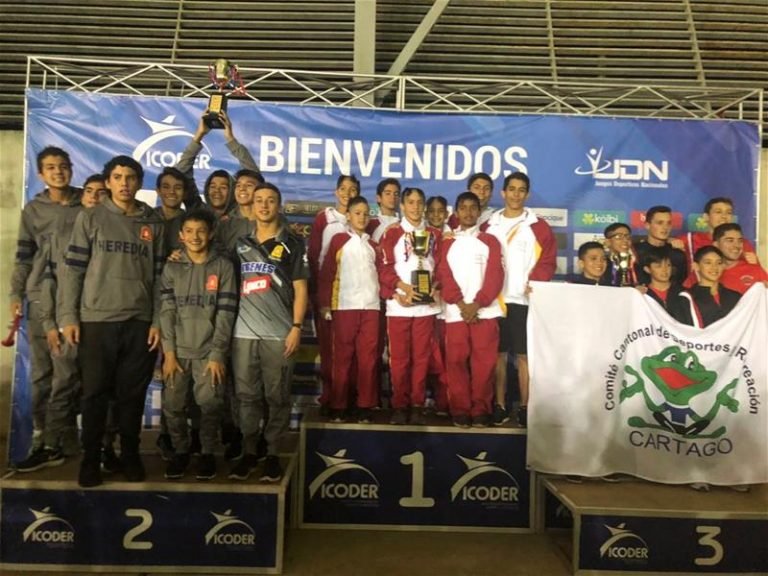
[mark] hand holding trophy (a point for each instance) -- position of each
(223, 74)
(421, 279)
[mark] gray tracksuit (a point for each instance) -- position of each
(113, 266)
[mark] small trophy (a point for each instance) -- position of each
(223, 75)
(623, 263)
(421, 279)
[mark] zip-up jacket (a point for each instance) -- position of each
(470, 269)
(198, 307)
(485, 215)
(54, 250)
(113, 266)
(396, 261)
(529, 248)
(326, 225)
(695, 240)
(708, 307)
(379, 224)
(348, 277)
(40, 218)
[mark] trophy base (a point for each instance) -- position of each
(217, 103)
(421, 280)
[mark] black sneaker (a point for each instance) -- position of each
(418, 417)
(399, 417)
(234, 450)
(133, 467)
(500, 415)
(481, 421)
(243, 469)
(364, 416)
(461, 421)
(165, 447)
(110, 463)
(176, 467)
(272, 470)
(206, 467)
(336, 416)
(195, 447)
(90, 474)
(522, 416)
(43, 458)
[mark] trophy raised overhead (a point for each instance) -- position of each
(224, 75)
(421, 279)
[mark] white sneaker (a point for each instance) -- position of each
(700, 486)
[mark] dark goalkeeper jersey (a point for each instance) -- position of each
(267, 272)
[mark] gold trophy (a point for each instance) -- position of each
(223, 74)
(623, 261)
(421, 279)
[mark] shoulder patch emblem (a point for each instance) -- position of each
(146, 234)
(277, 252)
(212, 284)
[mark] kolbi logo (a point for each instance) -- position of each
(231, 532)
(623, 544)
(338, 463)
(49, 529)
(624, 172)
(503, 491)
(149, 154)
(598, 218)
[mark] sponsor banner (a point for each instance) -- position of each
(662, 545)
(555, 217)
(637, 221)
(580, 238)
(415, 478)
(653, 398)
(114, 528)
(598, 219)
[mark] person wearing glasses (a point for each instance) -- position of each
(621, 269)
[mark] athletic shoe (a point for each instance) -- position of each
(573, 479)
(234, 450)
(243, 469)
(194, 442)
(90, 474)
(110, 463)
(522, 416)
(740, 487)
(700, 486)
(481, 421)
(261, 448)
(165, 446)
(364, 416)
(612, 478)
(176, 467)
(336, 416)
(133, 467)
(442, 412)
(399, 417)
(43, 458)
(272, 470)
(461, 421)
(418, 418)
(500, 415)
(206, 467)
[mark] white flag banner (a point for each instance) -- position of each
(617, 385)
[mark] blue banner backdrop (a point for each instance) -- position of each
(586, 172)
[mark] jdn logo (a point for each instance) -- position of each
(467, 488)
(49, 529)
(323, 488)
(624, 169)
(624, 544)
(230, 531)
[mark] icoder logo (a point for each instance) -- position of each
(49, 529)
(231, 532)
(485, 482)
(150, 154)
(623, 544)
(344, 479)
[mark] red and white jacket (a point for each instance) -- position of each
(695, 240)
(529, 248)
(485, 215)
(327, 224)
(397, 261)
(471, 269)
(379, 224)
(348, 277)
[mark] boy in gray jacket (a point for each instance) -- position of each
(198, 309)
(110, 305)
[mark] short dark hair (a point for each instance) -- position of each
(355, 201)
(471, 196)
(126, 162)
(93, 178)
(479, 176)
(51, 151)
(657, 254)
(704, 250)
(172, 172)
(719, 200)
(199, 215)
(439, 199)
(351, 177)
(720, 231)
(386, 182)
(611, 228)
(275, 189)
(408, 191)
(518, 176)
(255, 174)
(587, 246)
(653, 210)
